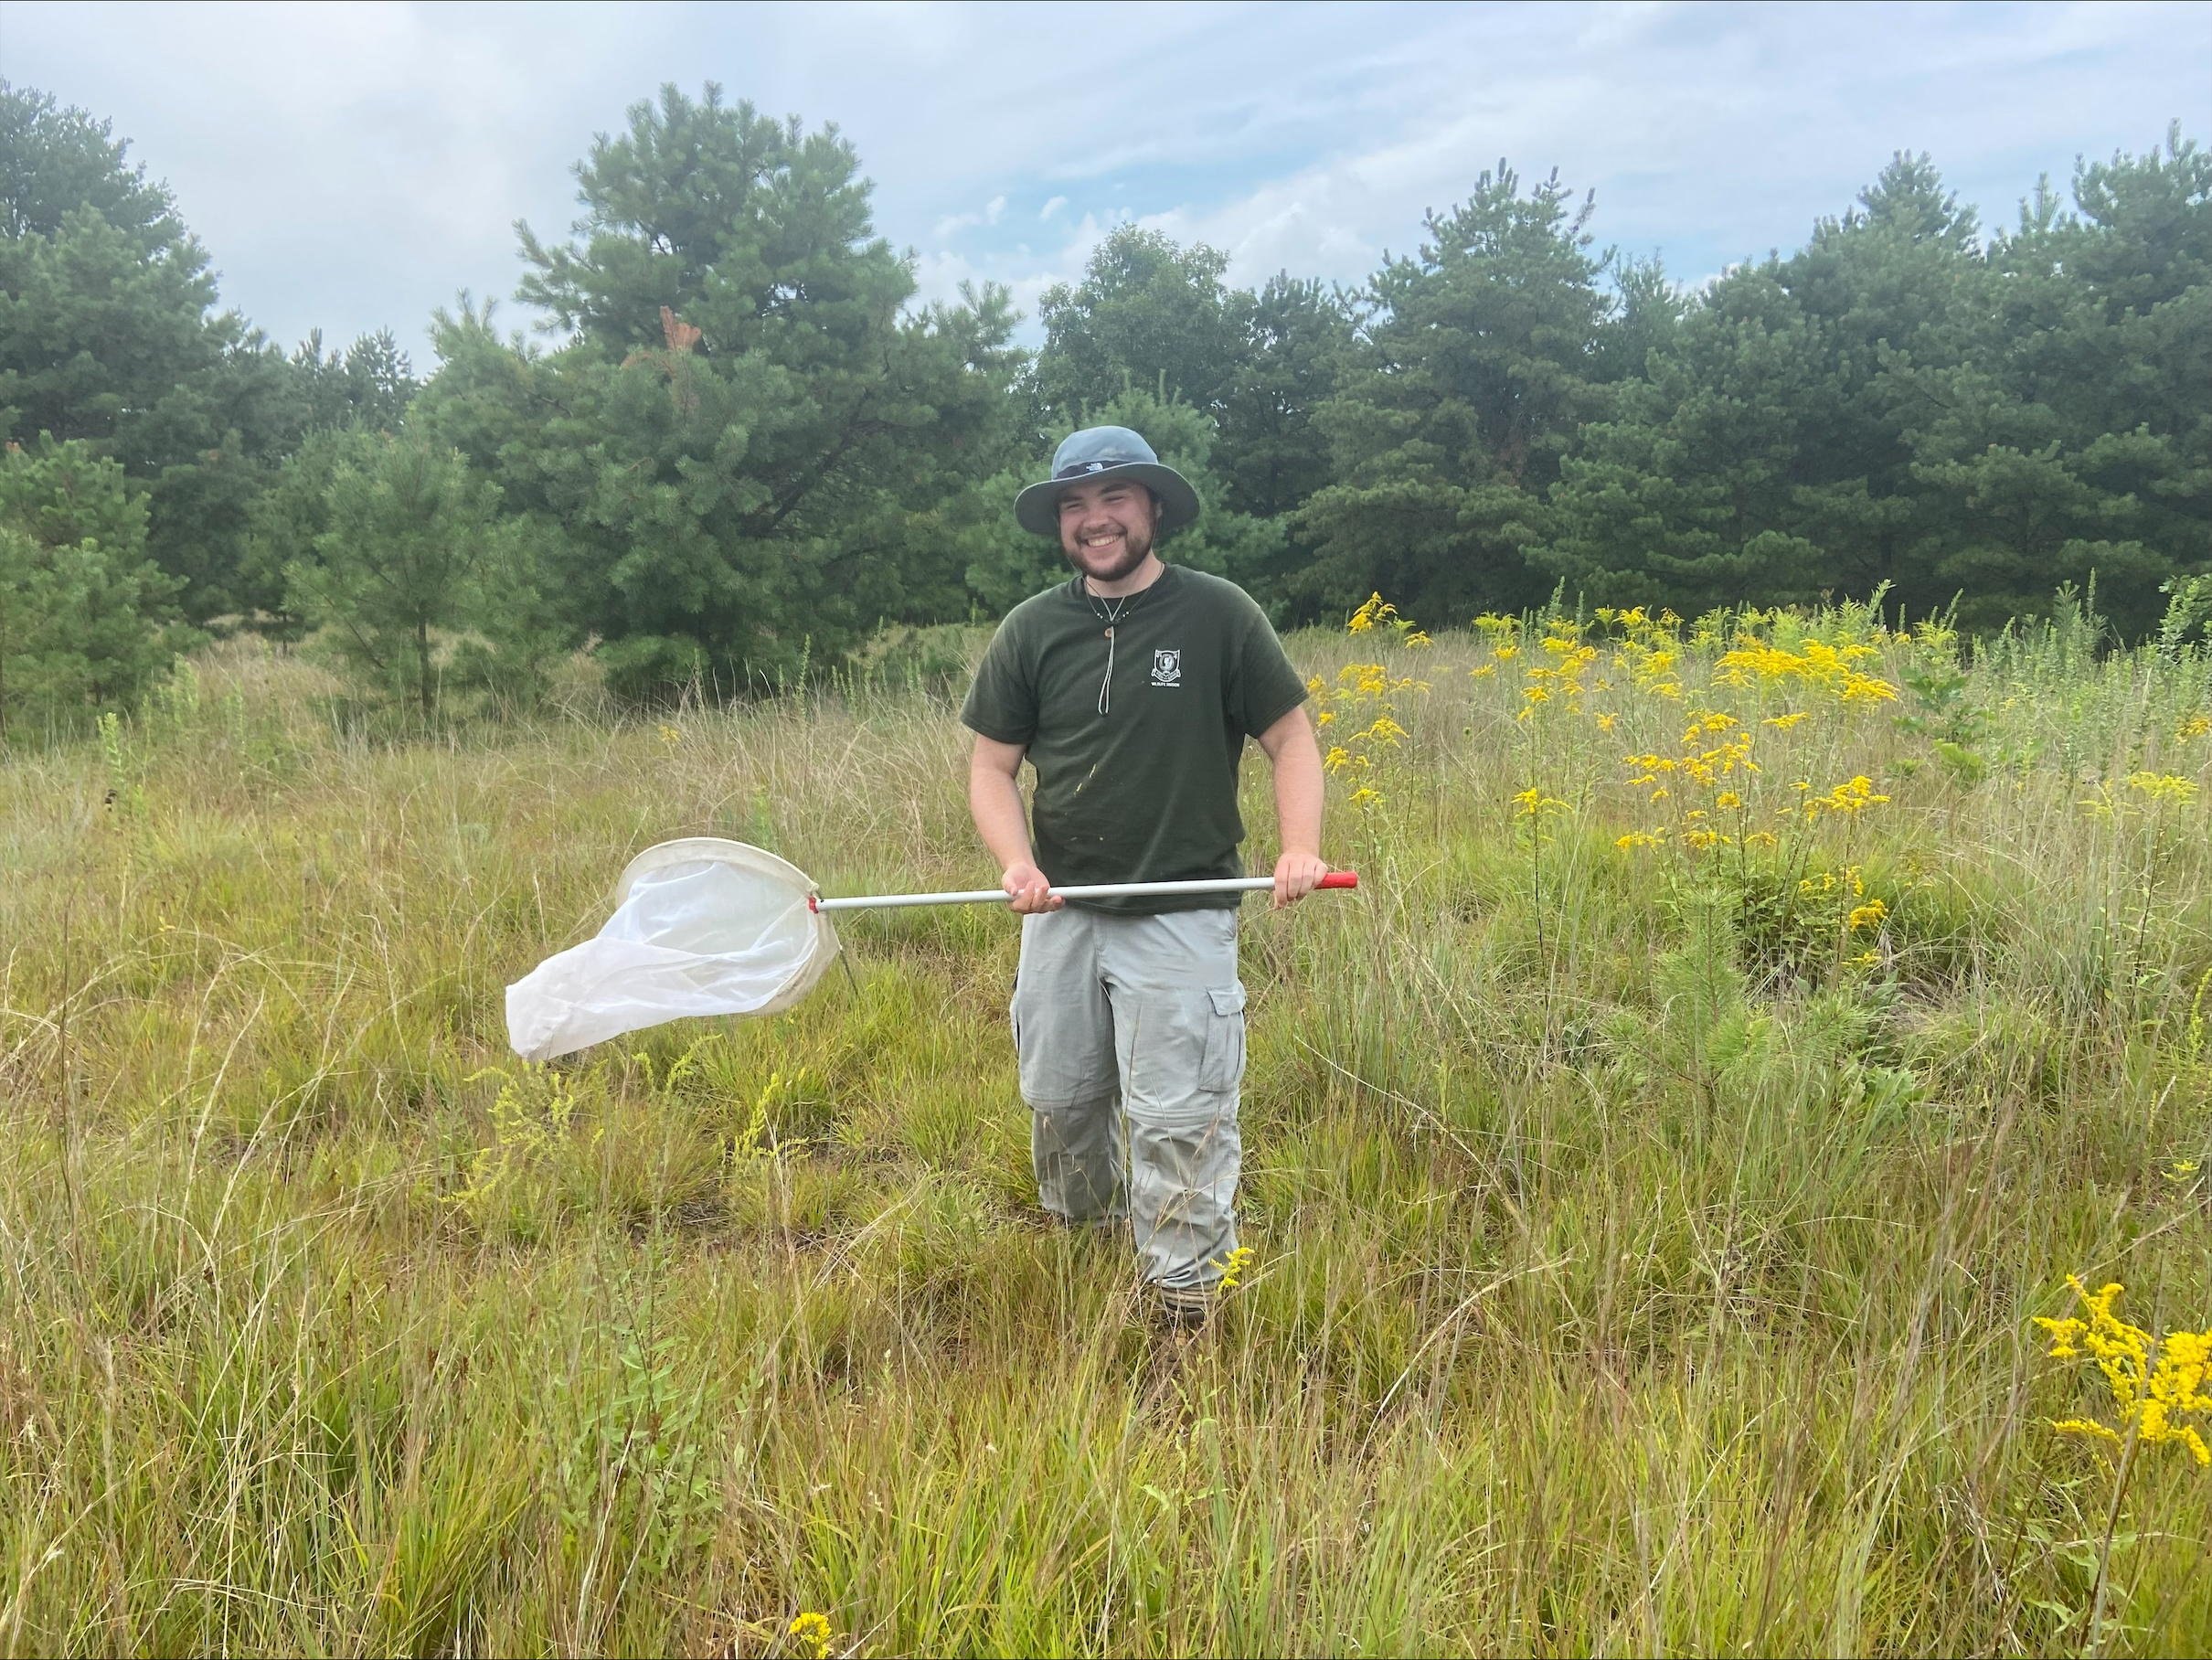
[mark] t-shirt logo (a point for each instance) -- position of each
(1168, 668)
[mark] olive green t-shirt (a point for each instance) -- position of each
(1146, 790)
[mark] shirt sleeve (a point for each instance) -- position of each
(1267, 688)
(1002, 703)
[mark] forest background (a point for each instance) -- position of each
(739, 452)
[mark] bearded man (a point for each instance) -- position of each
(1131, 690)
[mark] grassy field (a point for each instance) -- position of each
(1653, 1174)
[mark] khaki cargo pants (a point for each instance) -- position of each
(1131, 1034)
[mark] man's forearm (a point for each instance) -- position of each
(1296, 758)
(996, 805)
(1299, 792)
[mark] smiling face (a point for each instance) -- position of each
(1106, 527)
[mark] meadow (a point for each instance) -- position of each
(1654, 1174)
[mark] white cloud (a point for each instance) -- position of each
(1713, 135)
(954, 223)
(352, 165)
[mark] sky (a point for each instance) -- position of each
(354, 166)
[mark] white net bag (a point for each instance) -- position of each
(701, 926)
(709, 927)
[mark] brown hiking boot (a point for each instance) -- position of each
(1187, 1306)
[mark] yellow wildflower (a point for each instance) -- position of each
(2153, 1386)
(810, 1635)
(2195, 726)
(2165, 787)
(1783, 722)
(1530, 802)
(1377, 609)
(1868, 915)
(1337, 759)
(1851, 797)
(1365, 797)
(1726, 799)
(1815, 665)
(1866, 689)
(1233, 1269)
(2100, 805)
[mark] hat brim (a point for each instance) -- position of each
(1037, 508)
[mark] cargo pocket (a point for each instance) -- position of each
(1223, 1066)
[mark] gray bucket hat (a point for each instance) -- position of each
(1105, 452)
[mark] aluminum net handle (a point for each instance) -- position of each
(1093, 891)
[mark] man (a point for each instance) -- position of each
(1131, 690)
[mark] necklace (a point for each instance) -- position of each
(1111, 613)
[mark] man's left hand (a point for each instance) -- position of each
(1296, 875)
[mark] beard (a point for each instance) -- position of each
(1107, 565)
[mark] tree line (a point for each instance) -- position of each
(739, 446)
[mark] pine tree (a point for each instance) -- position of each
(409, 528)
(1451, 422)
(750, 447)
(1149, 314)
(87, 622)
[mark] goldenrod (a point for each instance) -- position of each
(2153, 1385)
(810, 1635)
(2165, 787)
(1232, 1270)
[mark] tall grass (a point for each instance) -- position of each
(1645, 1252)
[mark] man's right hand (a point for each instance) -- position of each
(1032, 893)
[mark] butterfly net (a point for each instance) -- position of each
(701, 926)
